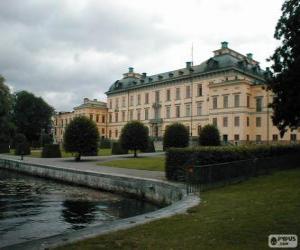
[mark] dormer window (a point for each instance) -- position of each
(160, 77)
(171, 74)
(180, 72)
(150, 79)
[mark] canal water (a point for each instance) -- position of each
(33, 208)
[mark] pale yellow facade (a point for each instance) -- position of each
(226, 90)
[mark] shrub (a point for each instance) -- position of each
(178, 158)
(117, 149)
(105, 143)
(51, 151)
(81, 137)
(4, 148)
(134, 136)
(209, 136)
(21, 145)
(150, 148)
(176, 135)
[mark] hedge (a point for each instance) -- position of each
(117, 149)
(51, 151)
(4, 148)
(177, 159)
(22, 148)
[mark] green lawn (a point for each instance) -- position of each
(239, 216)
(142, 163)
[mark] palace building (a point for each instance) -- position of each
(226, 90)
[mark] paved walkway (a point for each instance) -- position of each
(89, 163)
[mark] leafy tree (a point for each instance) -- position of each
(176, 135)
(209, 136)
(285, 80)
(81, 137)
(134, 136)
(46, 139)
(32, 115)
(6, 125)
(21, 145)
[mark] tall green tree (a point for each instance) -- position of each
(32, 115)
(134, 136)
(81, 137)
(285, 80)
(6, 125)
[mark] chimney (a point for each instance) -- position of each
(130, 69)
(250, 56)
(86, 100)
(224, 45)
(188, 65)
(144, 75)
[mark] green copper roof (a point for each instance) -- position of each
(219, 62)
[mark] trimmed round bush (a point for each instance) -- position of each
(81, 137)
(150, 148)
(117, 149)
(176, 136)
(51, 151)
(209, 136)
(22, 146)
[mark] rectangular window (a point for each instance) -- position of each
(146, 114)
(131, 115)
(248, 121)
(157, 96)
(97, 118)
(248, 101)
(258, 121)
(147, 98)
(225, 121)
(139, 99)
(225, 101)
(215, 122)
(138, 114)
(110, 103)
(188, 110)
(123, 102)
(236, 121)
(109, 134)
(275, 137)
(177, 93)
(236, 101)
(199, 129)
(131, 100)
(168, 96)
(258, 138)
(168, 112)
(116, 117)
(199, 108)
(259, 104)
(91, 117)
(293, 137)
(123, 116)
(116, 133)
(236, 137)
(215, 102)
(110, 118)
(103, 118)
(117, 103)
(177, 111)
(188, 91)
(199, 89)
(247, 138)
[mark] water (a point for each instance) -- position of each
(33, 208)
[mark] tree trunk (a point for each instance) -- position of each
(135, 154)
(77, 157)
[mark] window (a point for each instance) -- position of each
(116, 133)
(131, 100)
(97, 118)
(123, 116)
(258, 138)
(177, 93)
(91, 117)
(215, 122)
(259, 104)
(117, 103)
(188, 91)
(177, 111)
(157, 96)
(225, 121)
(110, 117)
(110, 103)
(116, 117)
(199, 129)
(247, 138)
(236, 101)
(258, 121)
(168, 112)
(236, 121)
(147, 98)
(199, 108)
(215, 102)
(199, 89)
(275, 137)
(131, 115)
(248, 121)
(109, 134)
(225, 101)
(103, 118)
(225, 138)
(139, 99)
(146, 114)
(248, 101)
(138, 114)
(293, 137)
(236, 137)
(188, 110)
(168, 97)
(123, 102)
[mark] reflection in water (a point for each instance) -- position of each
(32, 208)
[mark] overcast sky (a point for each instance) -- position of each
(65, 50)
